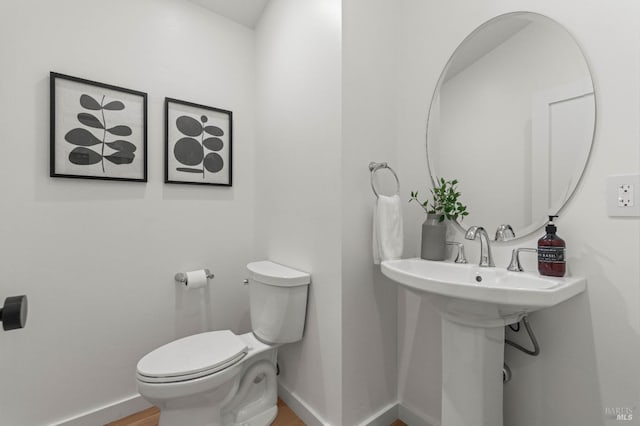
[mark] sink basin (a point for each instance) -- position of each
(475, 304)
(481, 296)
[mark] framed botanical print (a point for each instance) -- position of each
(98, 131)
(198, 144)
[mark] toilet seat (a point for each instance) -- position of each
(192, 357)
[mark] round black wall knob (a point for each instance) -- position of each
(14, 312)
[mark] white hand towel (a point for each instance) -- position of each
(387, 229)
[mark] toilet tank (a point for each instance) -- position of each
(278, 301)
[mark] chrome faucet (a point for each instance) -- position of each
(486, 259)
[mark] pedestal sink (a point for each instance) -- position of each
(475, 304)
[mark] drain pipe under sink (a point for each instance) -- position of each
(506, 371)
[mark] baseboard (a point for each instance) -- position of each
(396, 411)
(136, 403)
(411, 418)
(384, 417)
(108, 413)
(301, 408)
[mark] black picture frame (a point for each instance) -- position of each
(198, 144)
(98, 130)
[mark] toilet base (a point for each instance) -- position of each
(262, 419)
(195, 410)
(206, 410)
(208, 417)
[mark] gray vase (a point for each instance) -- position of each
(434, 238)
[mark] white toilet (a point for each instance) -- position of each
(220, 378)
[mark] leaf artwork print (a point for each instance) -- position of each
(199, 147)
(90, 149)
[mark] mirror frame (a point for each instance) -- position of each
(536, 224)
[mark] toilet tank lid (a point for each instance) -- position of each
(271, 273)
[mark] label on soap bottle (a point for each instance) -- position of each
(551, 254)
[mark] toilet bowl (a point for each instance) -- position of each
(218, 378)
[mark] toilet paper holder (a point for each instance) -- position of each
(181, 277)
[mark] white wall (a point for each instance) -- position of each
(590, 344)
(97, 258)
(298, 182)
(368, 134)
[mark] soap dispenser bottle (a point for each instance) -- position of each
(551, 252)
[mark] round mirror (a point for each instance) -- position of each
(512, 119)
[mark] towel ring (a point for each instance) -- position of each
(374, 167)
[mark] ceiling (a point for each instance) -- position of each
(244, 12)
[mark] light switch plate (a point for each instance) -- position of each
(622, 195)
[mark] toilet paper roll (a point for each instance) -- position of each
(196, 279)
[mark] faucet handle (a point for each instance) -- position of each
(505, 233)
(460, 257)
(472, 232)
(514, 265)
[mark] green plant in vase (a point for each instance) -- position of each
(445, 204)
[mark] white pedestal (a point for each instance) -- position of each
(472, 361)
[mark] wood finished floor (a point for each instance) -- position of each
(151, 416)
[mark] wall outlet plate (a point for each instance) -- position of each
(622, 195)
(625, 195)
